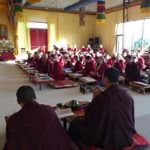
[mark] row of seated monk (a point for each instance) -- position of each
(108, 122)
(89, 63)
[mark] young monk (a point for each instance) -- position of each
(108, 123)
(56, 71)
(90, 67)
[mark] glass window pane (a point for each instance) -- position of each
(146, 35)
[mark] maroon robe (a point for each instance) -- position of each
(141, 62)
(43, 66)
(56, 71)
(35, 127)
(108, 121)
(102, 50)
(118, 66)
(132, 72)
(109, 62)
(78, 67)
(89, 67)
(68, 64)
(100, 70)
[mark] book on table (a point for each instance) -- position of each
(63, 113)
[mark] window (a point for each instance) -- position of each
(136, 35)
(37, 25)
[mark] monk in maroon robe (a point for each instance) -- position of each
(117, 65)
(43, 65)
(35, 126)
(132, 71)
(90, 67)
(83, 50)
(56, 70)
(102, 50)
(78, 67)
(101, 68)
(109, 119)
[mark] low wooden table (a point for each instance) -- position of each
(75, 75)
(40, 81)
(87, 84)
(140, 86)
(63, 84)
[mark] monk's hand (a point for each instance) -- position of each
(96, 91)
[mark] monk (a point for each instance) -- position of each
(109, 119)
(78, 67)
(36, 60)
(132, 71)
(56, 69)
(90, 67)
(83, 50)
(30, 59)
(101, 68)
(43, 65)
(117, 65)
(35, 126)
(102, 50)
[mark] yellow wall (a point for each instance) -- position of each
(107, 31)
(4, 20)
(64, 27)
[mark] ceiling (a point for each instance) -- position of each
(61, 4)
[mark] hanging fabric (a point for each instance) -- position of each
(18, 10)
(100, 12)
(145, 6)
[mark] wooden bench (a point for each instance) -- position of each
(140, 86)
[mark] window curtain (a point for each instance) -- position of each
(23, 35)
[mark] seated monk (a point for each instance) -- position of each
(36, 60)
(43, 65)
(108, 122)
(56, 69)
(132, 71)
(83, 50)
(90, 67)
(68, 63)
(35, 126)
(69, 48)
(30, 59)
(78, 67)
(141, 62)
(101, 50)
(117, 65)
(109, 60)
(101, 68)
